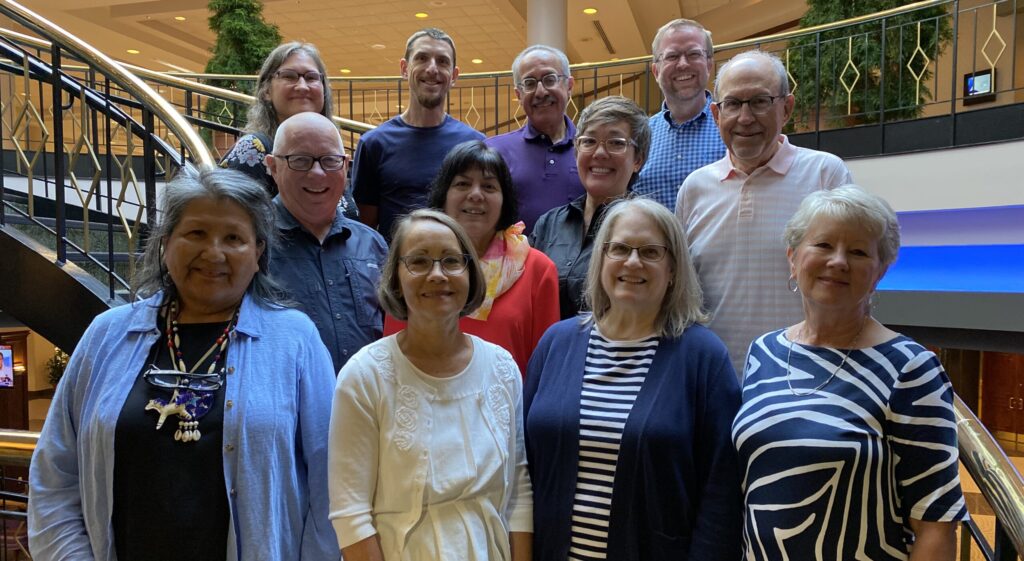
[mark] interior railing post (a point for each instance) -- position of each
(953, 74)
(148, 167)
(881, 96)
(3, 171)
(352, 114)
(108, 161)
(817, 90)
(1003, 546)
(497, 108)
(58, 153)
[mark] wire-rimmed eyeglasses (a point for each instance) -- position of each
(548, 80)
(422, 264)
(178, 380)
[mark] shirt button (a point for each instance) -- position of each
(330, 282)
(337, 316)
(229, 404)
(569, 262)
(231, 370)
(552, 162)
(344, 352)
(229, 448)
(233, 492)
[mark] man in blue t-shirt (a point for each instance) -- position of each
(395, 163)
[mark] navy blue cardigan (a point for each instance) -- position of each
(676, 494)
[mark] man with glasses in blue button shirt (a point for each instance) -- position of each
(329, 264)
(540, 155)
(683, 134)
(734, 210)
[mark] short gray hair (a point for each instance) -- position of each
(262, 117)
(616, 108)
(853, 205)
(770, 58)
(682, 23)
(684, 298)
(551, 51)
(218, 184)
(389, 291)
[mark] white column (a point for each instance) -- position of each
(546, 23)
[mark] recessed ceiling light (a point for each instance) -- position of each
(437, 3)
(422, 15)
(179, 18)
(133, 51)
(346, 71)
(477, 61)
(378, 46)
(590, 11)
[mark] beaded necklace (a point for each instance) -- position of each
(190, 405)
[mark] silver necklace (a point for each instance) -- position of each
(789, 354)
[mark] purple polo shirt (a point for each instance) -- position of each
(544, 174)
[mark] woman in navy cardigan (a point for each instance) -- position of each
(628, 410)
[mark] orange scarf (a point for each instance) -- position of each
(503, 264)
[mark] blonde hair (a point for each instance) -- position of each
(684, 298)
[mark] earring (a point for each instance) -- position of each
(792, 285)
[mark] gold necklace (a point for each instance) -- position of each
(789, 354)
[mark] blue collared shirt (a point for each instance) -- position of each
(676, 151)
(277, 394)
(543, 172)
(335, 282)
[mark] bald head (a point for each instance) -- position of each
(768, 65)
(311, 195)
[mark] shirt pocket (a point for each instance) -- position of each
(363, 276)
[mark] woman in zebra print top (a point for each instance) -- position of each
(846, 434)
(628, 409)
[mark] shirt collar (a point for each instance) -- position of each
(287, 222)
(780, 162)
(145, 321)
(704, 113)
(531, 134)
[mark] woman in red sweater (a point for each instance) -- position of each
(475, 188)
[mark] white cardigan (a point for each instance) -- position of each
(436, 467)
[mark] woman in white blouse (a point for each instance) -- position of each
(426, 451)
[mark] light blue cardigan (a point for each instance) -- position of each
(279, 383)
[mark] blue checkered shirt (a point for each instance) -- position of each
(676, 151)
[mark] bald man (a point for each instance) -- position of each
(329, 264)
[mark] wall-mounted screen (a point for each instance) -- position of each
(6, 366)
(979, 86)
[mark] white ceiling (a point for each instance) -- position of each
(346, 31)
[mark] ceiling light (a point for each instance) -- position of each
(422, 15)
(179, 18)
(477, 61)
(133, 51)
(378, 47)
(346, 71)
(590, 11)
(437, 3)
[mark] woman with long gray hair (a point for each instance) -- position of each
(191, 424)
(293, 80)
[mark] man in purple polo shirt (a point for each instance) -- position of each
(540, 155)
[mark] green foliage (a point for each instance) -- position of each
(863, 45)
(55, 366)
(244, 39)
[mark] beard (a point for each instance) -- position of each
(430, 102)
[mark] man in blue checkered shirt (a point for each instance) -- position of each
(684, 134)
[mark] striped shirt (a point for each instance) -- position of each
(613, 375)
(733, 224)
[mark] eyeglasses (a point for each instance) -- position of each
(549, 80)
(692, 56)
(588, 144)
(759, 104)
(650, 253)
(302, 162)
(421, 264)
(291, 77)
(177, 380)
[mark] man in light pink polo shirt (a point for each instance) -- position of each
(734, 210)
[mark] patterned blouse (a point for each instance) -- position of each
(837, 472)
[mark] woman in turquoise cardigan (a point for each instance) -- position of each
(628, 410)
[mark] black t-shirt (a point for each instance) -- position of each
(170, 499)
